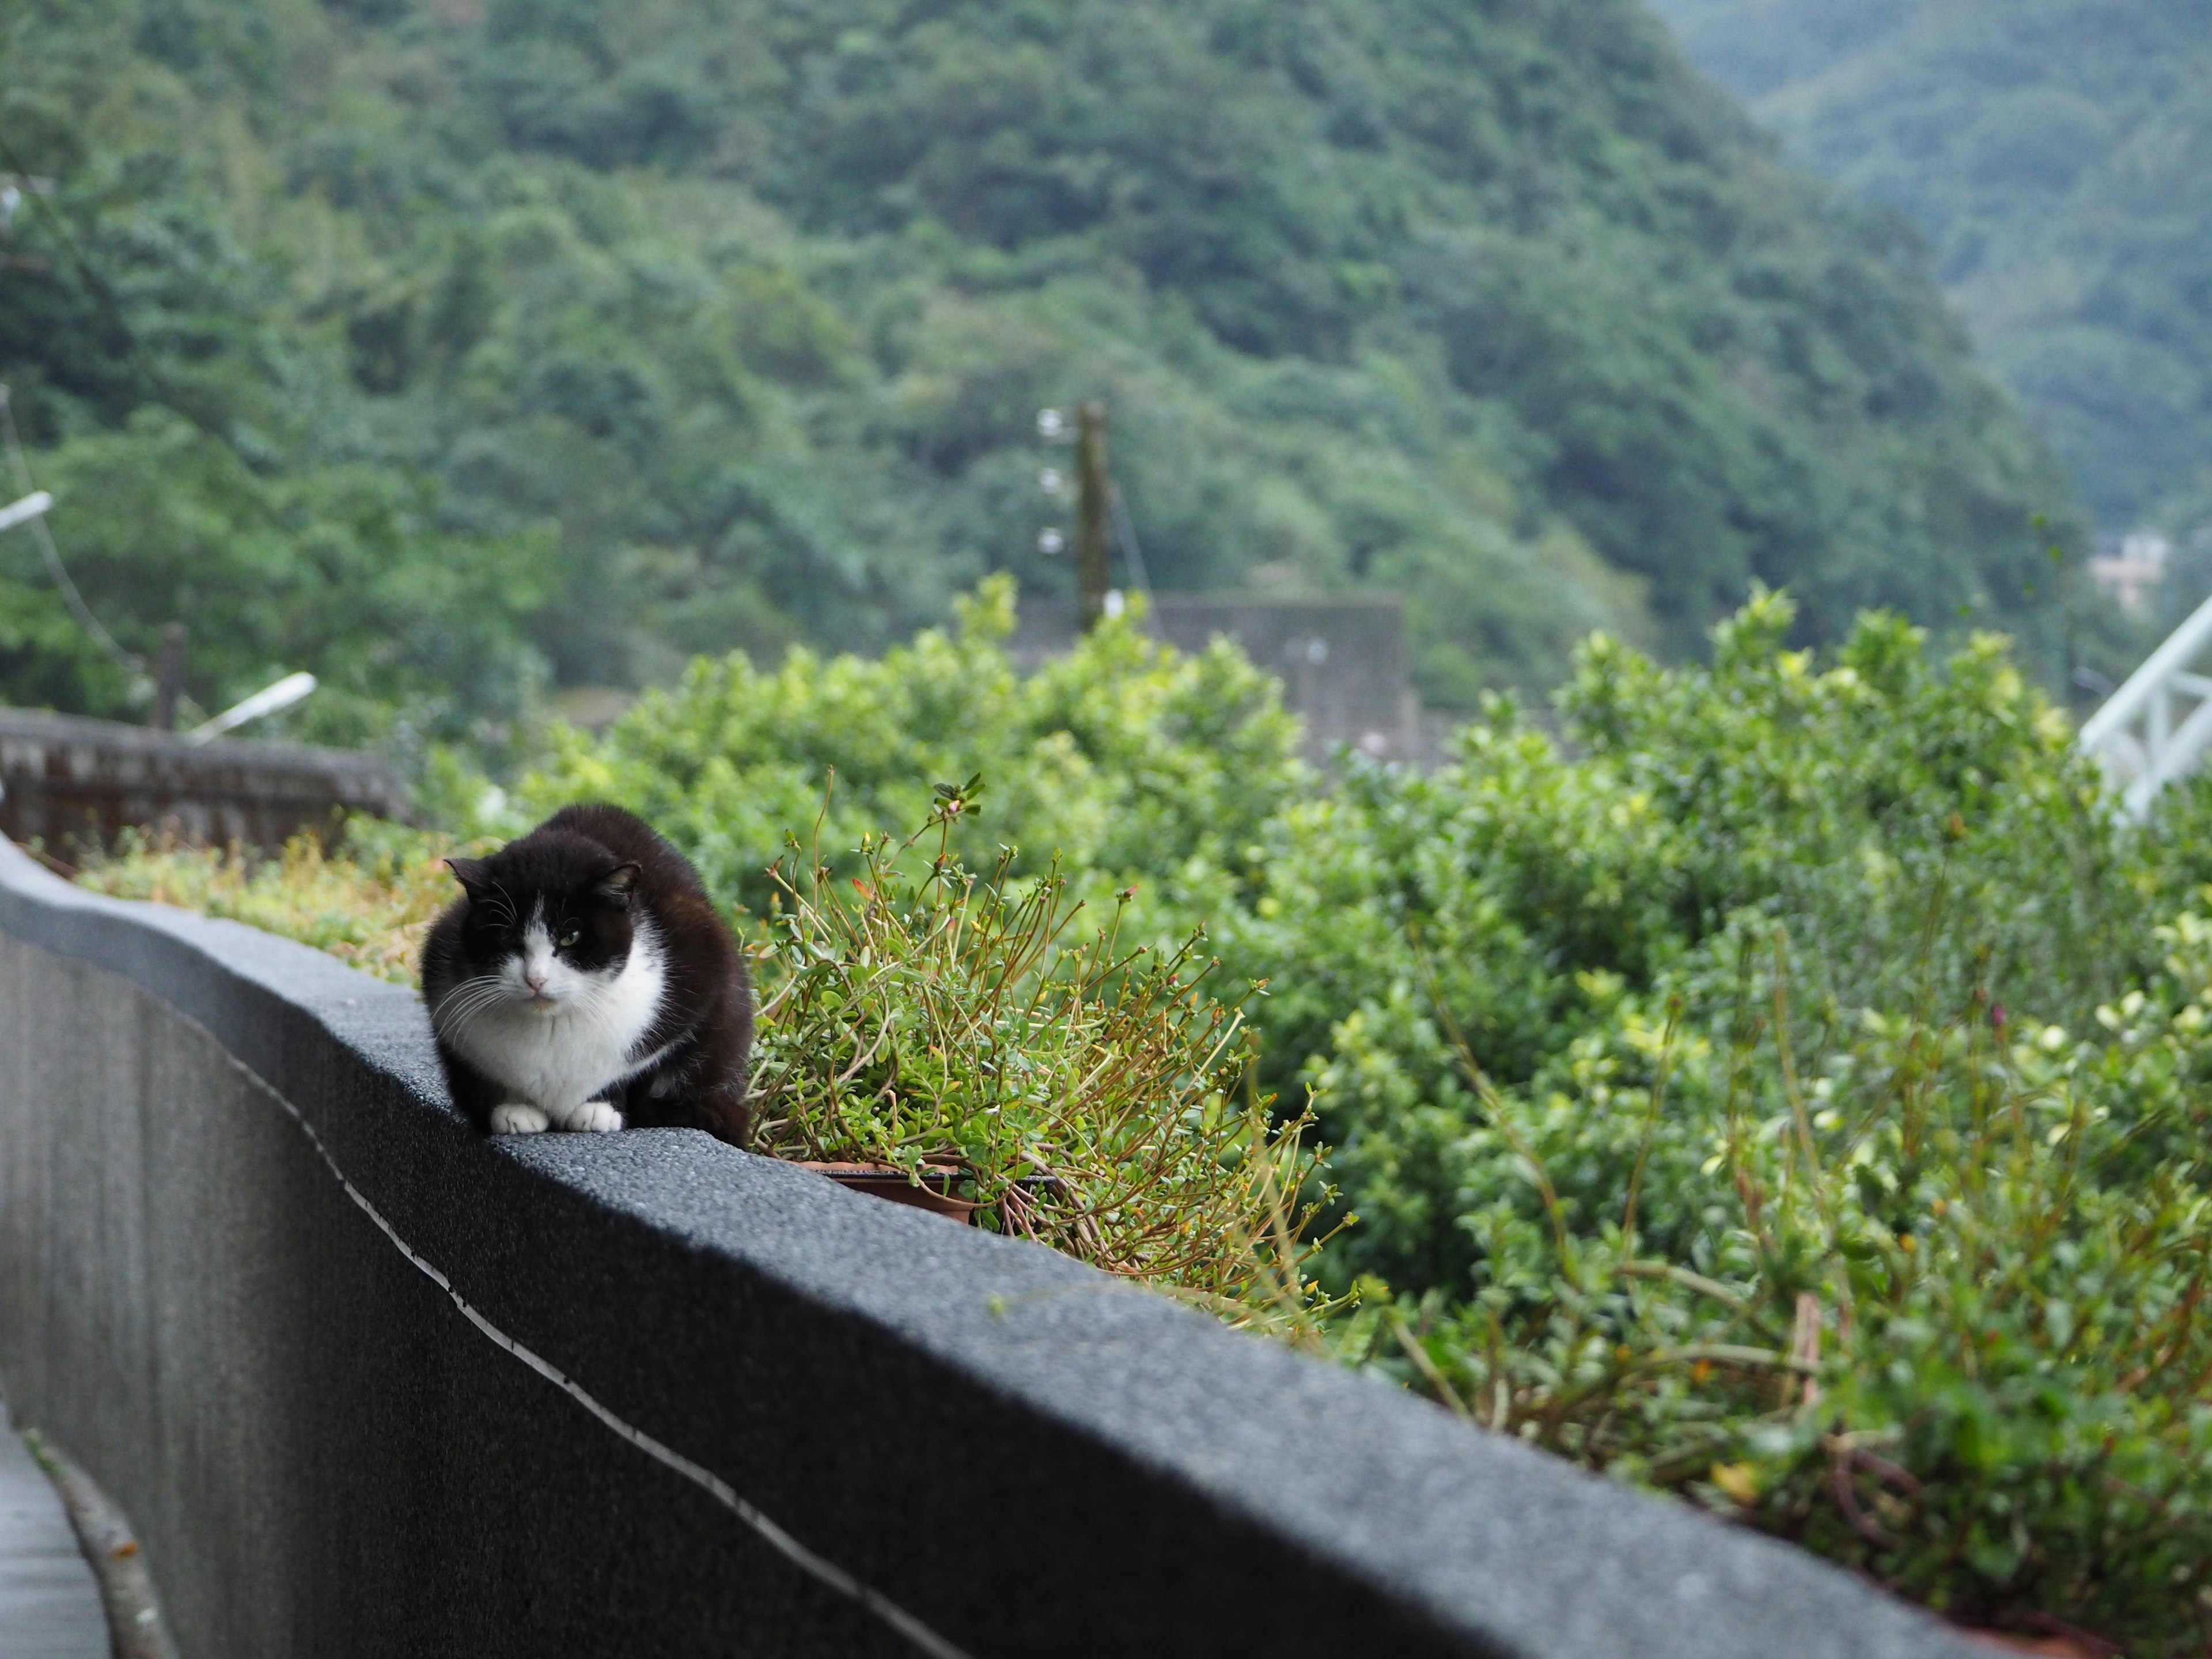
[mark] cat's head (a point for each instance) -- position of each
(550, 918)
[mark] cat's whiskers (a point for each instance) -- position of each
(454, 1029)
(467, 1003)
(469, 990)
(450, 1010)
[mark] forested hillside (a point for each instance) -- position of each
(2058, 154)
(444, 346)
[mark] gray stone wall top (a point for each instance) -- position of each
(66, 779)
(44, 726)
(983, 1446)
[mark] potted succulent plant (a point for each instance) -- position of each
(959, 1042)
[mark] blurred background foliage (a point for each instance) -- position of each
(458, 349)
(2058, 156)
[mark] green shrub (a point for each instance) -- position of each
(1122, 757)
(1542, 897)
(1925, 1299)
(1706, 1094)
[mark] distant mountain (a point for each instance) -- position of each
(623, 331)
(2058, 156)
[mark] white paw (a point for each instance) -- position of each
(594, 1116)
(519, 1120)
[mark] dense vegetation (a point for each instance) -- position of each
(442, 346)
(2057, 154)
(1794, 1099)
(1789, 1089)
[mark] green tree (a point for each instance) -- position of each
(738, 314)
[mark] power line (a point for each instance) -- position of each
(154, 384)
(44, 536)
(1125, 532)
(102, 293)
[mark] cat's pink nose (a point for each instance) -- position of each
(534, 978)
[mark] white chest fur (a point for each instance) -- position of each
(557, 1054)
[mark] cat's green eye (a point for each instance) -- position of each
(569, 937)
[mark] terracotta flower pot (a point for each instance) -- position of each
(939, 1190)
(934, 1193)
(2055, 1647)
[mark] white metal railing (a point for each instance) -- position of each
(2156, 727)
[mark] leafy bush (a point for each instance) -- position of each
(1685, 1090)
(1119, 758)
(1925, 1299)
(1540, 898)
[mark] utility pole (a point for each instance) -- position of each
(1093, 483)
(169, 677)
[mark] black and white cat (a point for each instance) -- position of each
(583, 981)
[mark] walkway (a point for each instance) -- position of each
(48, 1604)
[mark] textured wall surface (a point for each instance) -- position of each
(368, 1385)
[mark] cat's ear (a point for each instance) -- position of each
(617, 885)
(470, 873)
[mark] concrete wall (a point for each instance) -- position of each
(369, 1385)
(72, 782)
(1341, 658)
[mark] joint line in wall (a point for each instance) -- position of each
(823, 1570)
